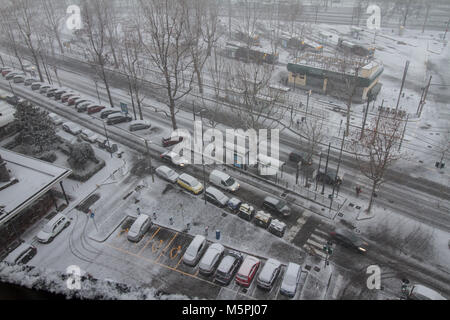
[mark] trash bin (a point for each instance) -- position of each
(217, 234)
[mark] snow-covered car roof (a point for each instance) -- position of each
(269, 267)
(145, 122)
(13, 256)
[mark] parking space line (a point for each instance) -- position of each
(169, 268)
(149, 240)
(168, 246)
(178, 264)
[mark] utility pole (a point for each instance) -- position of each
(365, 119)
(424, 97)
(307, 103)
(337, 170)
(403, 83)
(426, 18)
(403, 134)
(150, 160)
(326, 169)
(107, 139)
(446, 29)
(320, 163)
(229, 18)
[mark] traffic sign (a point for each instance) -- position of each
(124, 107)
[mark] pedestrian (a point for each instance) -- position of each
(154, 216)
(206, 230)
(138, 211)
(171, 221)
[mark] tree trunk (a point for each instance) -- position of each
(349, 107)
(106, 85)
(372, 198)
(58, 38)
(172, 113)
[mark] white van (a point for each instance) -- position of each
(139, 228)
(223, 180)
(194, 251)
(290, 280)
(420, 292)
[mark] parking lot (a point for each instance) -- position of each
(165, 248)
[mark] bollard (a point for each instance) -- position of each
(217, 234)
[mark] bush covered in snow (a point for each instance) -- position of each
(91, 289)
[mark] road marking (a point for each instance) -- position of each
(322, 232)
(172, 256)
(159, 246)
(319, 239)
(149, 240)
(165, 249)
(178, 264)
(336, 287)
(308, 247)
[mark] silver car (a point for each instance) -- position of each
(139, 228)
(290, 280)
(53, 228)
(211, 259)
(167, 174)
(194, 251)
(269, 274)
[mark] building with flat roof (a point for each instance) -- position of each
(27, 192)
(333, 75)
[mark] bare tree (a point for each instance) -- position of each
(249, 86)
(26, 16)
(378, 149)
(52, 19)
(95, 18)
(10, 35)
(164, 23)
(444, 144)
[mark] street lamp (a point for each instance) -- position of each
(149, 158)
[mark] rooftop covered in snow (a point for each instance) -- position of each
(33, 179)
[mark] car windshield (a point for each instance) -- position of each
(48, 228)
(229, 182)
(280, 205)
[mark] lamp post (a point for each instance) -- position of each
(149, 158)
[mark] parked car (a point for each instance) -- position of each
(139, 228)
(246, 211)
(168, 142)
(167, 173)
(29, 81)
(51, 92)
(194, 251)
(72, 100)
(234, 204)
(65, 97)
(277, 228)
(19, 78)
(174, 158)
(71, 128)
(53, 228)
(106, 113)
(37, 85)
(276, 206)
(211, 259)
(117, 118)
(83, 106)
(6, 70)
(22, 254)
(58, 93)
(13, 100)
(55, 118)
(88, 136)
(190, 183)
(269, 274)
(224, 181)
(139, 125)
(43, 88)
(329, 178)
(349, 239)
(95, 109)
(247, 271)
(11, 75)
(228, 267)
(263, 219)
(291, 280)
(300, 157)
(216, 197)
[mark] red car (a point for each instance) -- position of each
(95, 109)
(171, 141)
(65, 97)
(71, 100)
(5, 72)
(247, 271)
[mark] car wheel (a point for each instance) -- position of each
(67, 224)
